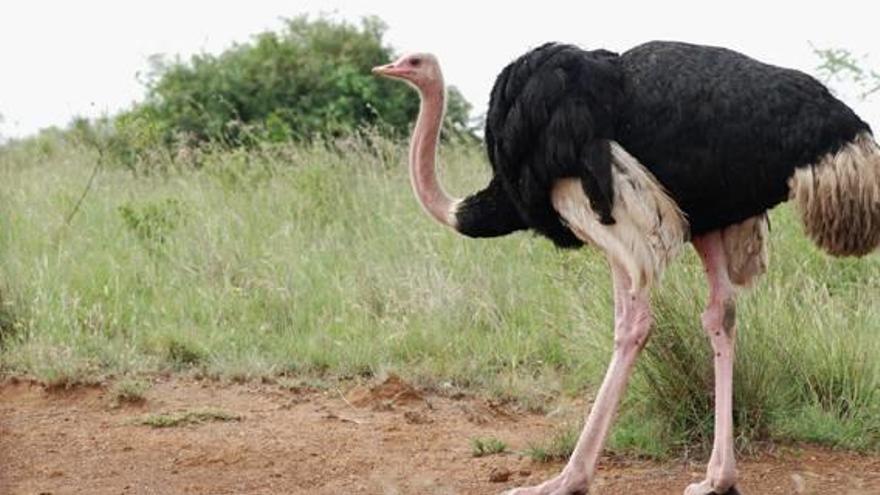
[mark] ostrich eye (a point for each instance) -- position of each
(415, 62)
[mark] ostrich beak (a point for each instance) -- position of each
(389, 70)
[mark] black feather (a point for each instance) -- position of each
(551, 115)
(723, 132)
(488, 213)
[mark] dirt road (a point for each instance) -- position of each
(381, 439)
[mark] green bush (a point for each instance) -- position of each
(311, 78)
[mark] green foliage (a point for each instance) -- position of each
(129, 390)
(154, 222)
(313, 260)
(646, 436)
(840, 65)
(807, 352)
(8, 320)
(311, 78)
(820, 425)
(309, 81)
(181, 353)
(186, 418)
(481, 447)
(557, 448)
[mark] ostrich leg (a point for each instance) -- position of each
(719, 322)
(631, 330)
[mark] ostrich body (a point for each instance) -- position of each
(638, 153)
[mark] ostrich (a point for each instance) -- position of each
(639, 153)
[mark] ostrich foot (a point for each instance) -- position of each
(705, 488)
(563, 484)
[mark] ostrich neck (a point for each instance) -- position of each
(423, 156)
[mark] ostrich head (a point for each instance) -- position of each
(487, 213)
(420, 70)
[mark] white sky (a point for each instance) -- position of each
(65, 58)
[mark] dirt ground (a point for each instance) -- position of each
(381, 439)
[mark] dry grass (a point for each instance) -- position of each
(315, 261)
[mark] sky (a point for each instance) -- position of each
(62, 58)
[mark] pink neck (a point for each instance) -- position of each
(423, 155)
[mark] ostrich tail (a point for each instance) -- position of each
(839, 198)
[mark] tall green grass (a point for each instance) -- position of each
(316, 260)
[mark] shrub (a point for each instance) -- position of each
(311, 78)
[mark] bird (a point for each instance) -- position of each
(638, 154)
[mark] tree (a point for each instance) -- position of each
(841, 66)
(311, 78)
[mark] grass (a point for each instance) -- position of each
(186, 418)
(556, 448)
(129, 390)
(481, 447)
(315, 261)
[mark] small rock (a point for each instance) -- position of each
(525, 472)
(416, 418)
(499, 475)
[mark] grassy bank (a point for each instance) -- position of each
(299, 260)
